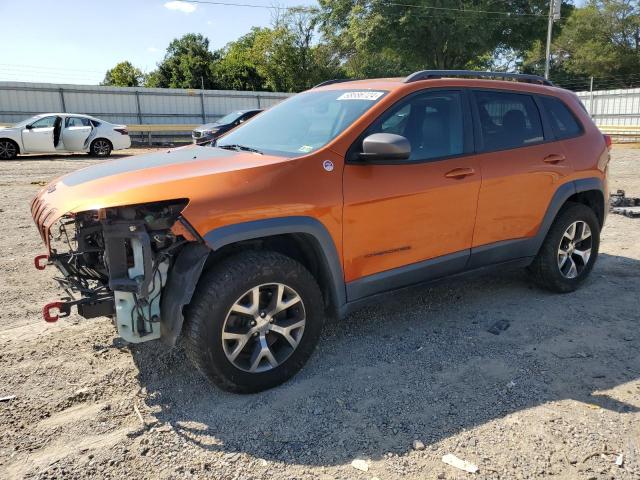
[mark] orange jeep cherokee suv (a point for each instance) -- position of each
(322, 203)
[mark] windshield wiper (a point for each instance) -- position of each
(237, 147)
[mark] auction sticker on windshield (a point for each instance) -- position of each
(360, 96)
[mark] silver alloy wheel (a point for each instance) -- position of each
(101, 148)
(574, 250)
(7, 150)
(263, 327)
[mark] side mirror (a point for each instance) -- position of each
(28, 127)
(385, 146)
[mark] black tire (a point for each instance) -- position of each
(545, 267)
(100, 147)
(219, 290)
(8, 149)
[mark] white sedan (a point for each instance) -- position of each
(62, 133)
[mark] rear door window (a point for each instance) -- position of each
(507, 120)
(563, 122)
(77, 122)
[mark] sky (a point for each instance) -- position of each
(77, 41)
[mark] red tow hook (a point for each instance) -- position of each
(40, 262)
(62, 308)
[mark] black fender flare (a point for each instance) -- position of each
(323, 243)
(563, 193)
(190, 262)
(181, 283)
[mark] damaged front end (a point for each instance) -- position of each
(115, 262)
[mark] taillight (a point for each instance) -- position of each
(123, 131)
(607, 140)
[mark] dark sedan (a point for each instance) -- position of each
(210, 131)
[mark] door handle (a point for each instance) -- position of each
(554, 158)
(460, 173)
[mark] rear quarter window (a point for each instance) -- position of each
(563, 122)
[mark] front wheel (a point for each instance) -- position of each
(254, 321)
(100, 148)
(570, 249)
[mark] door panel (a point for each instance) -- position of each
(39, 138)
(75, 133)
(398, 213)
(521, 176)
(517, 186)
(395, 215)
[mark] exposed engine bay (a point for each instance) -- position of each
(115, 262)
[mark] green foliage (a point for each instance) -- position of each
(237, 69)
(188, 63)
(377, 38)
(283, 58)
(124, 74)
(602, 37)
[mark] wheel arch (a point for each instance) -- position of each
(12, 140)
(305, 239)
(591, 194)
(588, 191)
(94, 140)
(302, 238)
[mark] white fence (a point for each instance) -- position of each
(127, 105)
(613, 107)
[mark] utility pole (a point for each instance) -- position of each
(204, 115)
(554, 14)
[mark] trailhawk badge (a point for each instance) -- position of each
(328, 165)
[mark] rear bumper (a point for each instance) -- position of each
(122, 142)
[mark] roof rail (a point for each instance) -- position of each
(331, 82)
(518, 77)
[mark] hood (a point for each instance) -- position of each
(169, 174)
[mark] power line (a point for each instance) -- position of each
(389, 4)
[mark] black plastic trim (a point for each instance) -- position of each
(407, 275)
(181, 283)
(436, 74)
(229, 234)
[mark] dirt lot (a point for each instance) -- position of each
(557, 394)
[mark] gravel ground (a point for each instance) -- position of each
(556, 394)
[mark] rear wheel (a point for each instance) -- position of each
(570, 249)
(254, 321)
(8, 149)
(100, 147)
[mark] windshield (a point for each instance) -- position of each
(229, 117)
(303, 123)
(24, 123)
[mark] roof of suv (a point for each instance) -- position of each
(459, 78)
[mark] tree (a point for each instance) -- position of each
(188, 63)
(237, 68)
(377, 38)
(286, 57)
(124, 74)
(601, 39)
